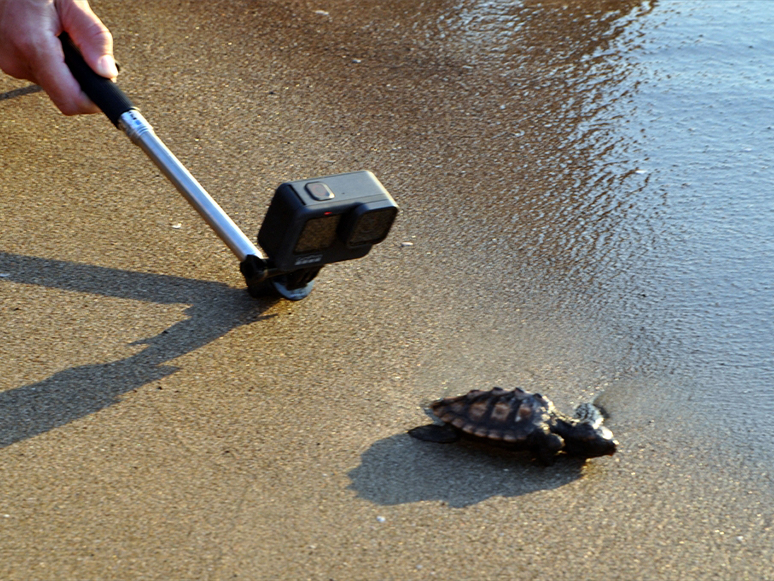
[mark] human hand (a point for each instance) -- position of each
(30, 49)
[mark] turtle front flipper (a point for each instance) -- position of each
(434, 433)
(545, 446)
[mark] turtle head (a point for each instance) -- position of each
(587, 440)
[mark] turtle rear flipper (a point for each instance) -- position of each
(434, 433)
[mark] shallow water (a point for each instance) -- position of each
(702, 109)
(629, 198)
(660, 211)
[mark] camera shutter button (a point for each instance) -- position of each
(319, 191)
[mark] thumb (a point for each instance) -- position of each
(91, 37)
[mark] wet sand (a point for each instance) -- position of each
(156, 422)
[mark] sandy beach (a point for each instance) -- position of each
(585, 212)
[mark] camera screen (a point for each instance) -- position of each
(372, 227)
(318, 234)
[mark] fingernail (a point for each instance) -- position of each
(106, 66)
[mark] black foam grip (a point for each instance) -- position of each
(104, 92)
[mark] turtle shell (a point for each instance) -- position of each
(516, 418)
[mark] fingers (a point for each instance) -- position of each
(54, 76)
(95, 43)
(30, 49)
(90, 36)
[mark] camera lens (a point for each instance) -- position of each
(317, 234)
(371, 225)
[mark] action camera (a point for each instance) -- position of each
(322, 220)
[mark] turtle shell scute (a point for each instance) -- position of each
(513, 417)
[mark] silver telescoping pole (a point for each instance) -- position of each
(142, 134)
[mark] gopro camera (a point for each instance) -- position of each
(311, 223)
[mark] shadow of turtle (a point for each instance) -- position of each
(401, 470)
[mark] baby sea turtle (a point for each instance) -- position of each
(521, 421)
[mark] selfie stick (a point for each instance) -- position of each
(124, 115)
